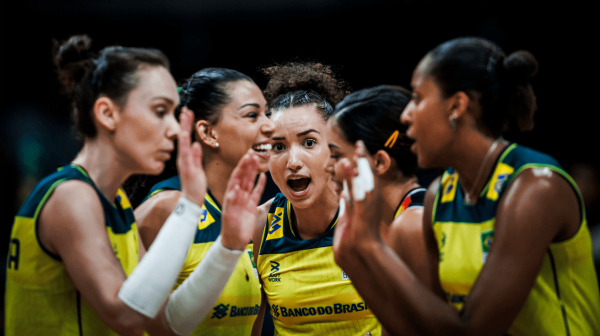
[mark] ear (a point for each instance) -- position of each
(381, 162)
(107, 113)
(458, 105)
(207, 133)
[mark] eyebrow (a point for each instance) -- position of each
(249, 104)
(167, 100)
(331, 145)
(298, 135)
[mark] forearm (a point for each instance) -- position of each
(191, 302)
(400, 301)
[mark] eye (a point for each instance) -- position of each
(310, 143)
(335, 157)
(268, 114)
(252, 115)
(278, 147)
(415, 97)
(160, 112)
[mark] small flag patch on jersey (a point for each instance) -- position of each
(487, 237)
(275, 229)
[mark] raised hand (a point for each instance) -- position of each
(189, 161)
(238, 219)
(360, 220)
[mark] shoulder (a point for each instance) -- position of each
(172, 183)
(159, 206)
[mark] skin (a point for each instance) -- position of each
(242, 124)
(135, 138)
(300, 149)
(404, 233)
(537, 208)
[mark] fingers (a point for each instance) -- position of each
(258, 189)
(197, 154)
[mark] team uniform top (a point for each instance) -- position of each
(41, 299)
(414, 198)
(564, 299)
(308, 293)
(237, 307)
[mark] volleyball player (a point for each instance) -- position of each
(307, 292)
(231, 119)
(373, 116)
(73, 259)
(505, 228)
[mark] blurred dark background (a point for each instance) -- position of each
(367, 42)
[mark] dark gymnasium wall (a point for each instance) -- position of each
(368, 42)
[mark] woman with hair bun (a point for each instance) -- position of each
(307, 293)
(73, 263)
(505, 231)
(231, 120)
(373, 116)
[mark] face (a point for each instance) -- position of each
(339, 149)
(146, 128)
(244, 123)
(298, 155)
(427, 118)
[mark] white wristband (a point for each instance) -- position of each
(190, 303)
(147, 288)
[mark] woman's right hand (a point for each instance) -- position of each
(189, 161)
(238, 219)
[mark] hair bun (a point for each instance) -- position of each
(73, 60)
(297, 76)
(521, 66)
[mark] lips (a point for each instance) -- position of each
(298, 185)
(262, 149)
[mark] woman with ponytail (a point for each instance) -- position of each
(307, 293)
(74, 260)
(373, 116)
(231, 121)
(507, 241)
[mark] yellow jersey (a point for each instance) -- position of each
(41, 299)
(564, 299)
(307, 292)
(237, 307)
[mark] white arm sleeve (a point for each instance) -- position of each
(190, 302)
(147, 288)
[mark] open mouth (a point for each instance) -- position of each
(299, 186)
(262, 148)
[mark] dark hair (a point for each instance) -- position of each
(112, 73)
(297, 84)
(476, 65)
(206, 94)
(373, 116)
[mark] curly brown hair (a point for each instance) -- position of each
(299, 83)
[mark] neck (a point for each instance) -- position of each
(313, 221)
(107, 169)
(475, 165)
(217, 173)
(392, 193)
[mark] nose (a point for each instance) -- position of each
(407, 114)
(268, 127)
(294, 161)
(173, 127)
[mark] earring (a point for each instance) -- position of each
(217, 144)
(452, 120)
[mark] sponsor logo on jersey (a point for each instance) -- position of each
(205, 220)
(275, 229)
(487, 237)
(345, 276)
(449, 187)
(336, 308)
(501, 175)
(220, 311)
(274, 276)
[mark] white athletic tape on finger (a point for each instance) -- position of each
(147, 288)
(364, 181)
